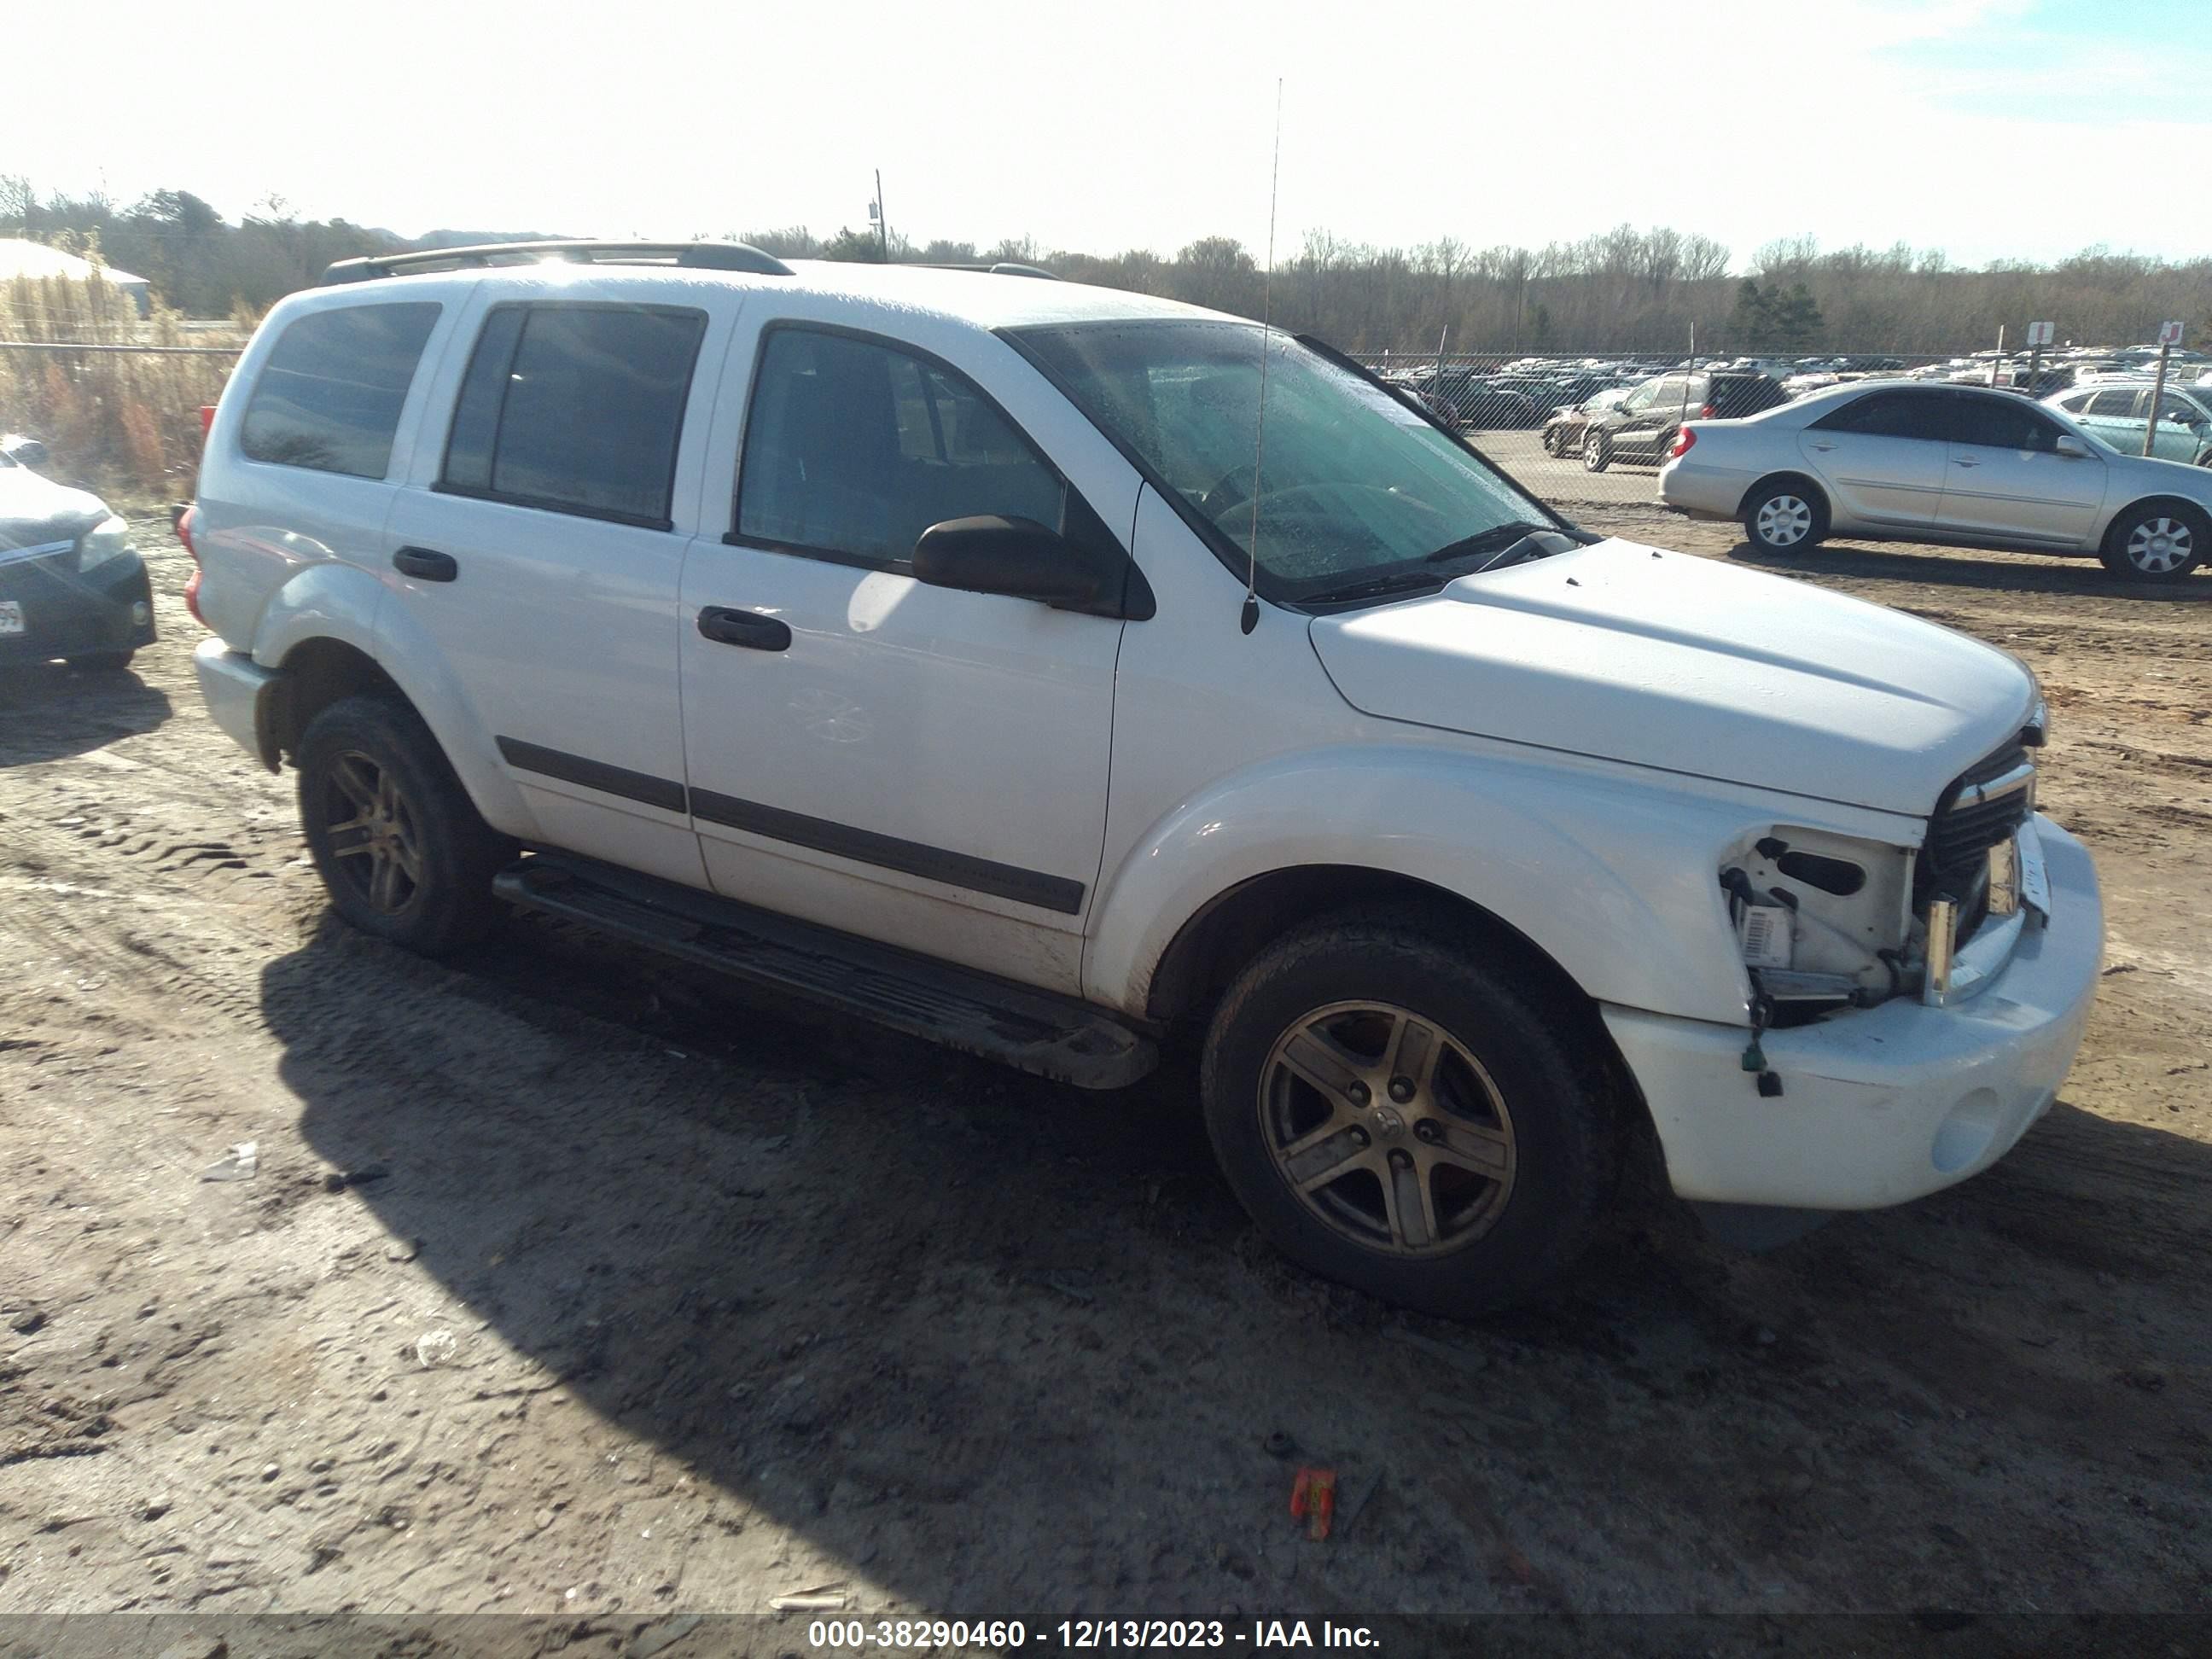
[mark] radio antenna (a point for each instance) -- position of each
(1249, 617)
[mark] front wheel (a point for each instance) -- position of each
(1784, 517)
(1394, 1114)
(397, 840)
(1597, 451)
(2161, 543)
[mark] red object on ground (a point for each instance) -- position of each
(1313, 1500)
(207, 420)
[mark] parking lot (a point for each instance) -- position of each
(564, 1281)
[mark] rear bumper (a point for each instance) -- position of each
(1690, 486)
(240, 697)
(68, 614)
(1883, 1104)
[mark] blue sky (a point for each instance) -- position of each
(1989, 128)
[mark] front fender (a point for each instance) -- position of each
(1615, 878)
(335, 600)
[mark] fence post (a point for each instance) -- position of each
(2157, 396)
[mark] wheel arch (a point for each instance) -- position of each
(1805, 482)
(315, 673)
(2141, 503)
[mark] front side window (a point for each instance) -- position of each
(1354, 483)
(576, 407)
(853, 448)
(2005, 423)
(329, 395)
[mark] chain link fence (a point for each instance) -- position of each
(1591, 428)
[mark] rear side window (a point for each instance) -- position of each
(1924, 415)
(576, 409)
(853, 448)
(329, 395)
(2117, 401)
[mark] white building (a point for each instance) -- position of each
(36, 259)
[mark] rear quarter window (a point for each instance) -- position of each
(330, 395)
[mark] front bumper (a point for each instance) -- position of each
(66, 614)
(1882, 1104)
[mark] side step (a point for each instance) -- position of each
(1032, 1031)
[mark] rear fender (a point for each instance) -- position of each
(335, 600)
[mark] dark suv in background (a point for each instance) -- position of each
(1644, 424)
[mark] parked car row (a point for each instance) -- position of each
(71, 584)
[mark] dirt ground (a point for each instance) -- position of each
(568, 1283)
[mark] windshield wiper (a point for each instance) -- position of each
(1498, 539)
(1396, 581)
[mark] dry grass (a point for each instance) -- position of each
(124, 422)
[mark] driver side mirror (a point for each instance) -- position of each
(2071, 446)
(1018, 558)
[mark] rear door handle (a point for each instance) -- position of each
(747, 627)
(425, 563)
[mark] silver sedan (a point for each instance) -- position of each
(1911, 461)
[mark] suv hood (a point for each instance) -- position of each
(1624, 652)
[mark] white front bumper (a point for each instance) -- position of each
(1882, 1104)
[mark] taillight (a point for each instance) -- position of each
(1683, 440)
(207, 420)
(192, 586)
(1704, 411)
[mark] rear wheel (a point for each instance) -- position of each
(2161, 542)
(1397, 1115)
(1787, 517)
(398, 843)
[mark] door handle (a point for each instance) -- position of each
(1961, 460)
(1823, 448)
(426, 563)
(747, 627)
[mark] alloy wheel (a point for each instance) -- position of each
(372, 834)
(1387, 1128)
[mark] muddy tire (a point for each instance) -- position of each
(398, 843)
(1396, 1115)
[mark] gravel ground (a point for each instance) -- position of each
(566, 1283)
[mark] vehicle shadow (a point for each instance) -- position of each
(981, 1342)
(48, 711)
(1974, 567)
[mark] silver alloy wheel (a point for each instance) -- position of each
(2156, 546)
(1387, 1128)
(372, 832)
(1784, 520)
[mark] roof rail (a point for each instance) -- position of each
(1003, 268)
(690, 256)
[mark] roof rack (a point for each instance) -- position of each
(1003, 268)
(690, 256)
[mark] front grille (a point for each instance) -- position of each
(1984, 808)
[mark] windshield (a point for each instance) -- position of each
(1354, 483)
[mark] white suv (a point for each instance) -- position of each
(883, 635)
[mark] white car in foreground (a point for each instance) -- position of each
(884, 635)
(1911, 461)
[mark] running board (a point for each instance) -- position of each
(1032, 1030)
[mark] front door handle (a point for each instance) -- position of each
(747, 627)
(425, 563)
(1961, 460)
(1823, 448)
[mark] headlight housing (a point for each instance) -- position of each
(104, 543)
(1821, 918)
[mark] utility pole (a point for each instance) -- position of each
(883, 224)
